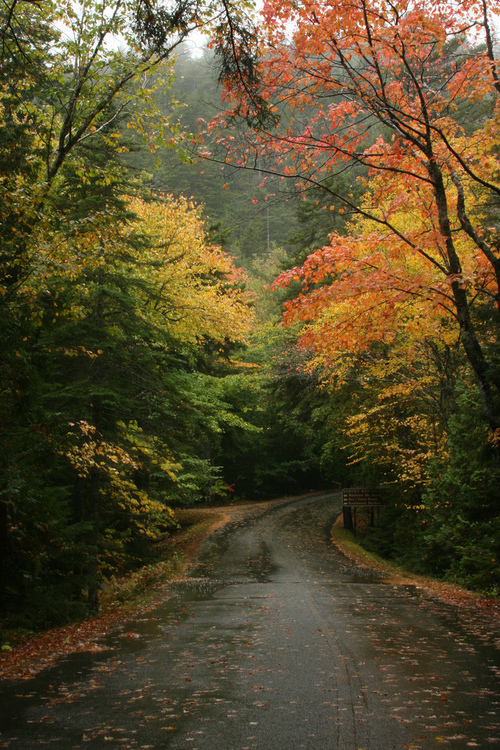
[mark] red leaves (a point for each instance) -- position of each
(37, 653)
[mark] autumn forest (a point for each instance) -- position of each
(260, 266)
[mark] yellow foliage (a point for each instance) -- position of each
(198, 290)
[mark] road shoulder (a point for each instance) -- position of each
(479, 613)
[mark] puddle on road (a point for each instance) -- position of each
(364, 576)
(254, 559)
(193, 589)
(134, 636)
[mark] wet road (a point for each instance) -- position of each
(275, 642)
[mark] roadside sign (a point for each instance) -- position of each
(360, 497)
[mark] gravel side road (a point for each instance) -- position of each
(275, 641)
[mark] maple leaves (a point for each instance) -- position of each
(378, 319)
(389, 89)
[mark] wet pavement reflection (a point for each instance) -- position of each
(274, 641)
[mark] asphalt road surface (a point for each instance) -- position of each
(275, 642)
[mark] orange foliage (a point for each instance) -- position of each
(388, 87)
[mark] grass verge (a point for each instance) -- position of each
(346, 542)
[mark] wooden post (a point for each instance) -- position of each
(347, 512)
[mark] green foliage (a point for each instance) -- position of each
(453, 531)
(108, 412)
(463, 500)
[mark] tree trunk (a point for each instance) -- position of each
(93, 513)
(3, 548)
(482, 370)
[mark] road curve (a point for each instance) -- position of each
(276, 642)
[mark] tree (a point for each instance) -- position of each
(247, 229)
(75, 78)
(198, 295)
(378, 85)
(71, 71)
(128, 412)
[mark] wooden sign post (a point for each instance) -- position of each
(360, 497)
